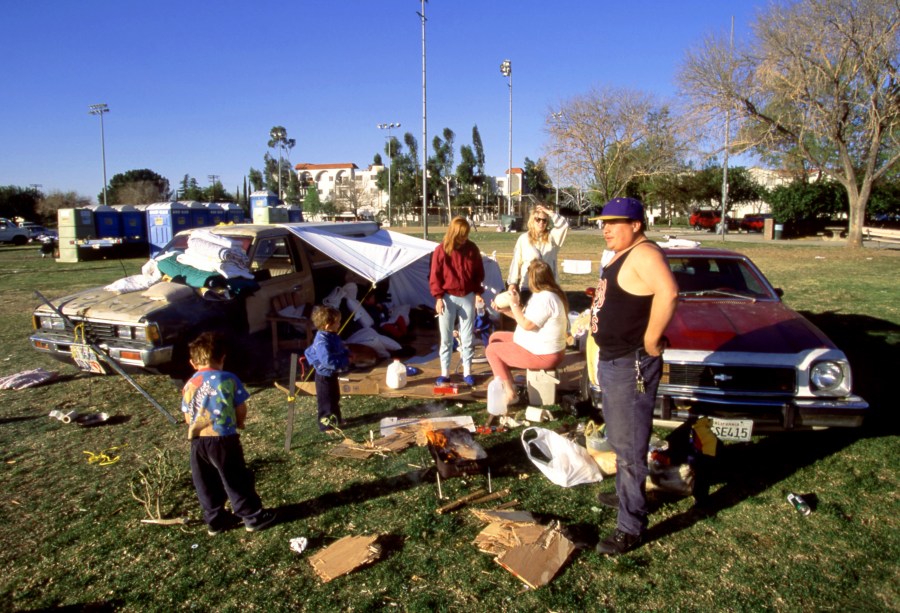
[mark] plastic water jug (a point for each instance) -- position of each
(396, 375)
(496, 398)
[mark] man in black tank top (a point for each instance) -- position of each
(635, 300)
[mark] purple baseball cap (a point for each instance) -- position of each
(623, 208)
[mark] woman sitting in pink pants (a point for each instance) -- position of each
(539, 341)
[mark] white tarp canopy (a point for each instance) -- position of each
(405, 259)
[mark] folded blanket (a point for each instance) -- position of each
(199, 246)
(227, 269)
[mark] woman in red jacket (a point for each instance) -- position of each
(457, 273)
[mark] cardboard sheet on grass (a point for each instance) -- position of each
(532, 552)
(344, 556)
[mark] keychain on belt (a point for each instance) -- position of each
(639, 378)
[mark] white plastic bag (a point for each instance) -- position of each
(567, 463)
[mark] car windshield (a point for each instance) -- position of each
(718, 277)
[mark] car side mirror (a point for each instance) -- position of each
(780, 292)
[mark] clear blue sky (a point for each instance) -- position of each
(194, 87)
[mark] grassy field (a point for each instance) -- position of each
(72, 535)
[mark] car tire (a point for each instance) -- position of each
(697, 227)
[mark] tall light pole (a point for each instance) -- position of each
(389, 127)
(99, 109)
(557, 117)
(506, 69)
(424, 135)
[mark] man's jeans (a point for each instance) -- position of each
(629, 416)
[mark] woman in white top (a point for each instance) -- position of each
(545, 236)
(539, 341)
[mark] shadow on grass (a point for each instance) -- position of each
(748, 469)
(356, 493)
(871, 346)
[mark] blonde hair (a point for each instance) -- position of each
(540, 279)
(324, 316)
(458, 226)
(207, 348)
(536, 234)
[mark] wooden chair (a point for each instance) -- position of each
(301, 327)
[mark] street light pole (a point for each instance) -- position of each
(389, 127)
(506, 70)
(100, 109)
(424, 135)
(557, 117)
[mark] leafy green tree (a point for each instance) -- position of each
(479, 179)
(312, 206)
(443, 162)
(537, 181)
(141, 186)
(806, 206)
(18, 202)
(189, 189)
(278, 140)
(257, 182)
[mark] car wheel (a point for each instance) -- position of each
(19, 240)
(697, 227)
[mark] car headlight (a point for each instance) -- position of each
(829, 376)
(52, 323)
(124, 332)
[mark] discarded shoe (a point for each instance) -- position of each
(262, 521)
(608, 499)
(469, 380)
(619, 542)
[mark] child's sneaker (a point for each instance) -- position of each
(262, 521)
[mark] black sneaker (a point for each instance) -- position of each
(608, 499)
(261, 521)
(619, 542)
(223, 525)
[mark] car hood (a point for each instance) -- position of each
(99, 304)
(742, 325)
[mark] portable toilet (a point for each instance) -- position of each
(106, 221)
(234, 212)
(133, 222)
(164, 221)
(269, 214)
(198, 212)
(294, 213)
(215, 213)
(73, 225)
(262, 199)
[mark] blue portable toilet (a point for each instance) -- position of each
(234, 213)
(199, 213)
(106, 221)
(215, 213)
(262, 199)
(133, 221)
(164, 221)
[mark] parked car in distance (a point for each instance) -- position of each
(11, 233)
(35, 231)
(738, 354)
(754, 222)
(708, 219)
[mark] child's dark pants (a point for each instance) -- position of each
(328, 396)
(219, 473)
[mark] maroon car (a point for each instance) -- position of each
(739, 354)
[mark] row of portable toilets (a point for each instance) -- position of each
(134, 228)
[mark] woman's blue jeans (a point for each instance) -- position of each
(628, 414)
(462, 308)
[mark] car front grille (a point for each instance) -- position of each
(98, 331)
(731, 379)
